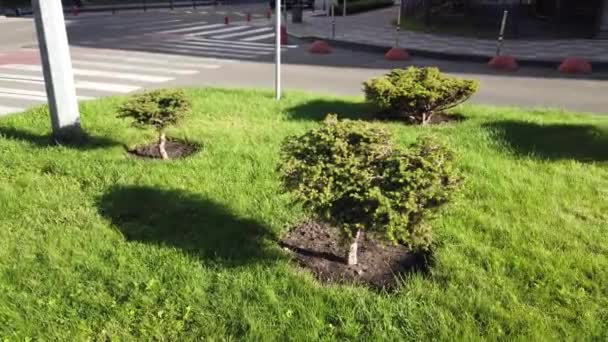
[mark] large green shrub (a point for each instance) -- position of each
(350, 174)
(416, 94)
(157, 109)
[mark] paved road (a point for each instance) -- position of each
(133, 50)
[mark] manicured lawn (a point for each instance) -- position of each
(95, 244)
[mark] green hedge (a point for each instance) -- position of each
(358, 6)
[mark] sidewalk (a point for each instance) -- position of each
(373, 30)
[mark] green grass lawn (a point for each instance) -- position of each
(95, 244)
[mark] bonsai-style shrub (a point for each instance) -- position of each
(416, 94)
(157, 109)
(350, 174)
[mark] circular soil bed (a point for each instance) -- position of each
(321, 249)
(175, 149)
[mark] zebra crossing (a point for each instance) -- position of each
(97, 74)
(186, 36)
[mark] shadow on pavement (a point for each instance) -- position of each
(186, 221)
(584, 143)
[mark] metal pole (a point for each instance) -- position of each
(145, 6)
(277, 71)
(344, 9)
(333, 20)
(502, 32)
(57, 70)
(114, 7)
(193, 4)
(171, 4)
(398, 27)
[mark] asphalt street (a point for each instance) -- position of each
(133, 50)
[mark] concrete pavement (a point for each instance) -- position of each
(375, 29)
(128, 52)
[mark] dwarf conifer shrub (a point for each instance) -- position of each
(350, 174)
(157, 109)
(416, 94)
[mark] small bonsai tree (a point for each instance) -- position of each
(417, 94)
(158, 109)
(350, 174)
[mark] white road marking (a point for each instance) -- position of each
(166, 47)
(135, 67)
(109, 87)
(204, 47)
(192, 28)
(34, 95)
(155, 61)
(229, 29)
(238, 42)
(228, 46)
(238, 34)
(260, 37)
(95, 73)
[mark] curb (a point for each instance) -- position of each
(597, 66)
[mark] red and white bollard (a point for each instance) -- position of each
(226, 20)
(248, 17)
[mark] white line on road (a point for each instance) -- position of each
(192, 28)
(238, 34)
(95, 73)
(240, 42)
(109, 87)
(179, 48)
(261, 37)
(229, 29)
(227, 45)
(154, 60)
(209, 47)
(34, 95)
(135, 67)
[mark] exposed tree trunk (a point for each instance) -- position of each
(354, 247)
(426, 118)
(162, 141)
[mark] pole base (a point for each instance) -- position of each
(319, 47)
(397, 54)
(505, 63)
(574, 65)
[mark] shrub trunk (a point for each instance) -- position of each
(353, 250)
(162, 141)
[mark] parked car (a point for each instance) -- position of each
(290, 3)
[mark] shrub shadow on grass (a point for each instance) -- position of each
(318, 109)
(585, 143)
(85, 142)
(194, 224)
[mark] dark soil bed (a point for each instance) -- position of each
(175, 149)
(320, 248)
